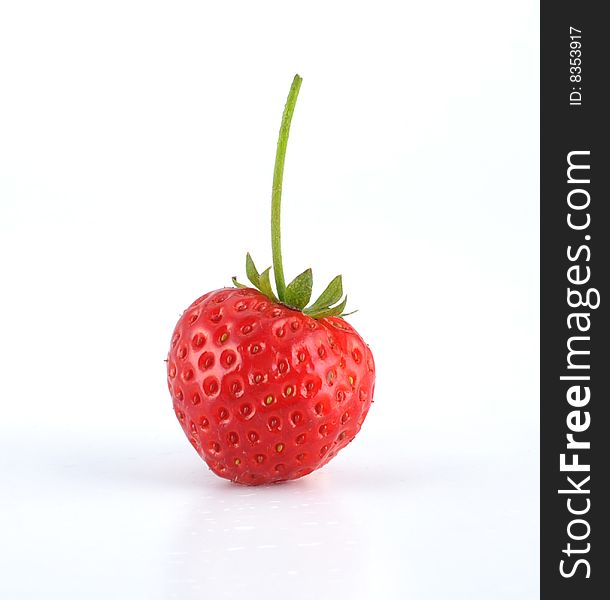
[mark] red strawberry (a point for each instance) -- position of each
(266, 389)
(264, 392)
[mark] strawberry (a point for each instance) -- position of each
(265, 387)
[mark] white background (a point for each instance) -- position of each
(136, 150)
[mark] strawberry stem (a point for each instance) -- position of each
(297, 293)
(276, 193)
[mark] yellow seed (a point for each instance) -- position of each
(351, 380)
(288, 391)
(279, 447)
(237, 461)
(268, 399)
(224, 337)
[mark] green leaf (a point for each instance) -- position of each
(333, 311)
(329, 296)
(236, 283)
(251, 271)
(265, 285)
(298, 292)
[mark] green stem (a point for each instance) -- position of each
(276, 194)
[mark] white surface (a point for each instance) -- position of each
(136, 151)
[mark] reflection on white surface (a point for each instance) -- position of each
(237, 543)
(96, 517)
